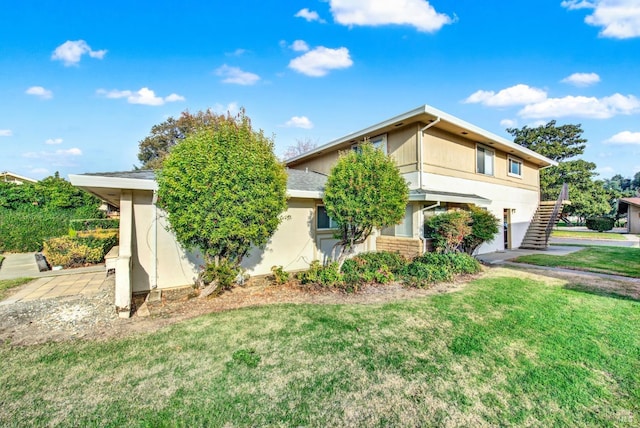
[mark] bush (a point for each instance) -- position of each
(25, 230)
(94, 223)
(601, 224)
(224, 273)
(447, 230)
(78, 251)
(366, 268)
(280, 276)
(430, 268)
(327, 276)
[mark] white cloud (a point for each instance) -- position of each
(416, 13)
(39, 91)
(144, 96)
(619, 19)
(319, 61)
(309, 15)
(61, 157)
(299, 122)
(39, 171)
(515, 95)
(624, 137)
(580, 106)
(6, 133)
(172, 98)
(70, 52)
(508, 123)
(582, 79)
(300, 46)
(54, 141)
(606, 171)
(237, 52)
(236, 76)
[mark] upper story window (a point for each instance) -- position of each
(379, 142)
(515, 167)
(484, 160)
(323, 221)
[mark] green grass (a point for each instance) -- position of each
(7, 284)
(587, 235)
(504, 351)
(613, 260)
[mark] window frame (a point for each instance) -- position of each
(379, 142)
(332, 223)
(493, 161)
(514, 159)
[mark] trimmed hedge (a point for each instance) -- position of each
(94, 223)
(26, 230)
(600, 224)
(78, 251)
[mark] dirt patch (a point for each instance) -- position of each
(94, 317)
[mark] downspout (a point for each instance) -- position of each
(154, 243)
(420, 149)
(422, 238)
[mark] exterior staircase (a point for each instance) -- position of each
(545, 218)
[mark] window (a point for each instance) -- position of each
(484, 160)
(403, 229)
(515, 167)
(323, 221)
(378, 142)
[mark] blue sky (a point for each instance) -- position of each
(81, 83)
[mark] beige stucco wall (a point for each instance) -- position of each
(175, 266)
(633, 219)
(451, 155)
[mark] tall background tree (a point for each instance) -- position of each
(301, 146)
(154, 148)
(364, 191)
(564, 144)
(224, 191)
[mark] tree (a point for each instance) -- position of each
(448, 230)
(555, 142)
(224, 191)
(635, 183)
(364, 191)
(301, 146)
(154, 148)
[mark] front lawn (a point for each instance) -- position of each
(506, 350)
(587, 235)
(613, 260)
(7, 284)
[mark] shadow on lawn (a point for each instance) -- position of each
(615, 290)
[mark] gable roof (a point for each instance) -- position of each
(426, 114)
(631, 201)
(107, 185)
(5, 175)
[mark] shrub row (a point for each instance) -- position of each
(385, 267)
(600, 224)
(78, 251)
(24, 231)
(94, 223)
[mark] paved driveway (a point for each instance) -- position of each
(78, 284)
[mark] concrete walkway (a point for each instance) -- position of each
(500, 257)
(23, 265)
(51, 287)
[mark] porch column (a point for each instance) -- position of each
(123, 265)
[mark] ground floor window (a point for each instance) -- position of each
(404, 229)
(323, 221)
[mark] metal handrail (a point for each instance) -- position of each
(563, 196)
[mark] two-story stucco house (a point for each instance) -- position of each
(446, 161)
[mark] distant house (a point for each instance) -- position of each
(10, 177)
(448, 163)
(632, 207)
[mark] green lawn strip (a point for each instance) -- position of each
(7, 284)
(504, 351)
(587, 235)
(613, 260)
